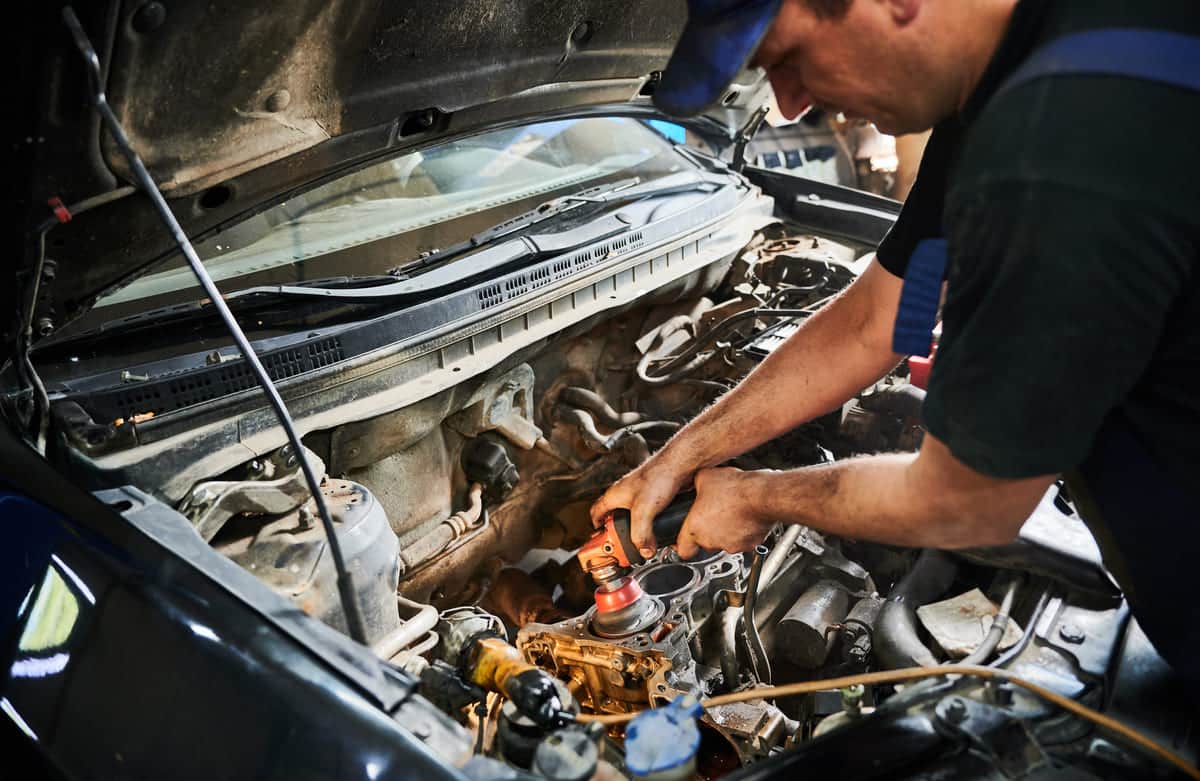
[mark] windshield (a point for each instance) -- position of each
(370, 221)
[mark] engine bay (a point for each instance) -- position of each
(464, 519)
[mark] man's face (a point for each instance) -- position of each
(856, 64)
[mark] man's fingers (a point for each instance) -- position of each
(601, 507)
(641, 530)
(686, 545)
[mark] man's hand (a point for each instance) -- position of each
(721, 518)
(645, 492)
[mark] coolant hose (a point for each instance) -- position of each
(896, 642)
(589, 400)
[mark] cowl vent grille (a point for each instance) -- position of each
(551, 271)
(169, 393)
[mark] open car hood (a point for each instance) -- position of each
(236, 105)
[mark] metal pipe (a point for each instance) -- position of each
(1000, 623)
(727, 640)
(444, 533)
(758, 654)
(423, 620)
(779, 554)
(1035, 618)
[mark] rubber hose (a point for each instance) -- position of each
(896, 642)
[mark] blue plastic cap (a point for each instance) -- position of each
(717, 42)
(663, 738)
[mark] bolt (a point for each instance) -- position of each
(618, 663)
(998, 693)
(45, 326)
(852, 697)
(256, 467)
(305, 518)
(425, 119)
(955, 710)
(1071, 633)
(279, 100)
(128, 376)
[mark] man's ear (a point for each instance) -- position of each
(904, 12)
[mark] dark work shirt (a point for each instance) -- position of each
(1072, 208)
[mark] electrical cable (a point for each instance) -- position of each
(345, 582)
(1106, 723)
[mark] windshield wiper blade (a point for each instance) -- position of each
(490, 255)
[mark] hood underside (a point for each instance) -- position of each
(234, 105)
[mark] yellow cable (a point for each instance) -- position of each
(918, 673)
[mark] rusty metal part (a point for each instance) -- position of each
(803, 636)
(211, 504)
(519, 599)
(673, 655)
(445, 533)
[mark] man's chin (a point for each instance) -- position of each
(895, 126)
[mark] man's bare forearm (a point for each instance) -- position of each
(835, 354)
(869, 498)
(926, 500)
(930, 499)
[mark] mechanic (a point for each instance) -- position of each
(1071, 313)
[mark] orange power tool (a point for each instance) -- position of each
(610, 553)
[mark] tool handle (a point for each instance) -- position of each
(666, 526)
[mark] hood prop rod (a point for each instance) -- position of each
(744, 135)
(345, 580)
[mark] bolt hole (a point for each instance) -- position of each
(728, 99)
(215, 196)
(582, 33)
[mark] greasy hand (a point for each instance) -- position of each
(721, 518)
(645, 492)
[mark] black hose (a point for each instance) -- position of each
(896, 642)
(904, 401)
(591, 401)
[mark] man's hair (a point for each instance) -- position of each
(829, 9)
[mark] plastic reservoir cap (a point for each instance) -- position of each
(663, 738)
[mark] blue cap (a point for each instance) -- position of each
(663, 738)
(717, 42)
